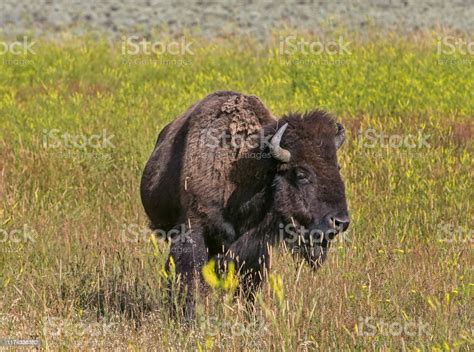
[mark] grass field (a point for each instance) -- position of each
(78, 270)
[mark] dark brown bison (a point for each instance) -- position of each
(227, 180)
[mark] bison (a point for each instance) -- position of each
(228, 180)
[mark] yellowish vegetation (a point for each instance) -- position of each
(78, 269)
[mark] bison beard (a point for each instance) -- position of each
(234, 175)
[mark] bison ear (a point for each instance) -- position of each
(340, 136)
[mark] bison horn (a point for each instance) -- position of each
(340, 135)
(275, 150)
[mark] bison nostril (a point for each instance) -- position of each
(341, 223)
(338, 223)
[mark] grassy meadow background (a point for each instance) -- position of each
(78, 269)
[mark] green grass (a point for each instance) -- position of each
(76, 283)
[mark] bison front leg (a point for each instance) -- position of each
(250, 255)
(188, 254)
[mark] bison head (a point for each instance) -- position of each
(309, 195)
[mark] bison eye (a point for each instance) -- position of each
(302, 177)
